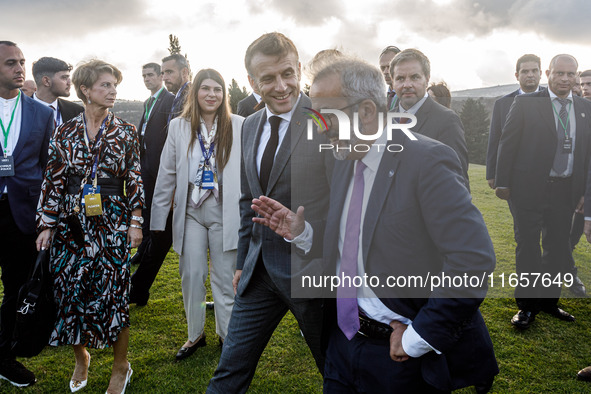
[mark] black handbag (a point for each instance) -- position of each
(36, 311)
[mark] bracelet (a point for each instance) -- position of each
(135, 226)
(138, 219)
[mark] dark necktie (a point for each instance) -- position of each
(347, 309)
(269, 153)
(562, 131)
(54, 121)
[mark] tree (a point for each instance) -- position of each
(236, 94)
(475, 119)
(175, 46)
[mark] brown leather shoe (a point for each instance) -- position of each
(585, 374)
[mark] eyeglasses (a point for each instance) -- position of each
(328, 117)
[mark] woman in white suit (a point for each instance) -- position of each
(200, 171)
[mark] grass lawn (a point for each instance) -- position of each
(545, 358)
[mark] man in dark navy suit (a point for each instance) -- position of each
(528, 72)
(400, 209)
(26, 129)
(542, 168)
(153, 129)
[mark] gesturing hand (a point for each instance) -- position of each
(278, 218)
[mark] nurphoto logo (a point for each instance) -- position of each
(336, 124)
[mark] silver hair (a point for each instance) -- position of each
(359, 80)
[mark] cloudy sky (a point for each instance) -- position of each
(470, 44)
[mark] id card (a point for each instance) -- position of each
(207, 180)
(7, 166)
(87, 189)
(567, 145)
(94, 206)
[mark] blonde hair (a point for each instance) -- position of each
(86, 74)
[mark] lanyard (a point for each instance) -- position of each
(147, 110)
(393, 103)
(206, 155)
(6, 131)
(97, 146)
(564, 126)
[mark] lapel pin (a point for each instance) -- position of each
(298, 122)
(391, 173)
(583, 114)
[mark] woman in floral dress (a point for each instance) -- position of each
(89, 212)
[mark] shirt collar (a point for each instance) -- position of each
(374, 156)
(257, 97)
(413, 110)
(54, 104)
(553, 96)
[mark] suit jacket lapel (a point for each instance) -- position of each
(27, 117)
(379, 192)
(292, 136)
(342, 174)
(547, 113)
(250, 155)
(422, 115)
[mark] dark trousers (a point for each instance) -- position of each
(153, 249)
(255, 316)
(17, 256)
(552, 221)
(154, 254)
(363, 365)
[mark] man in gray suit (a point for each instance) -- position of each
(279, 161)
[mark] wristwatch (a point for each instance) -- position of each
(139, 219)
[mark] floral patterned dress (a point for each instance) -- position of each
(91, 282)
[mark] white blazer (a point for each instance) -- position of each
(173, 180)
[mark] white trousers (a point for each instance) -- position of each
(203, 233)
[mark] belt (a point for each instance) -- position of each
(373, 329)
(109, 186)
(554, 179)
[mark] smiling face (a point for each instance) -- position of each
(104, 91)
(278, 80)
(410, 82)
(12, 70)
(210, 96)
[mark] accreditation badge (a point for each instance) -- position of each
(207, 181)
(567, 146)
(7, 166)
(93, 203)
